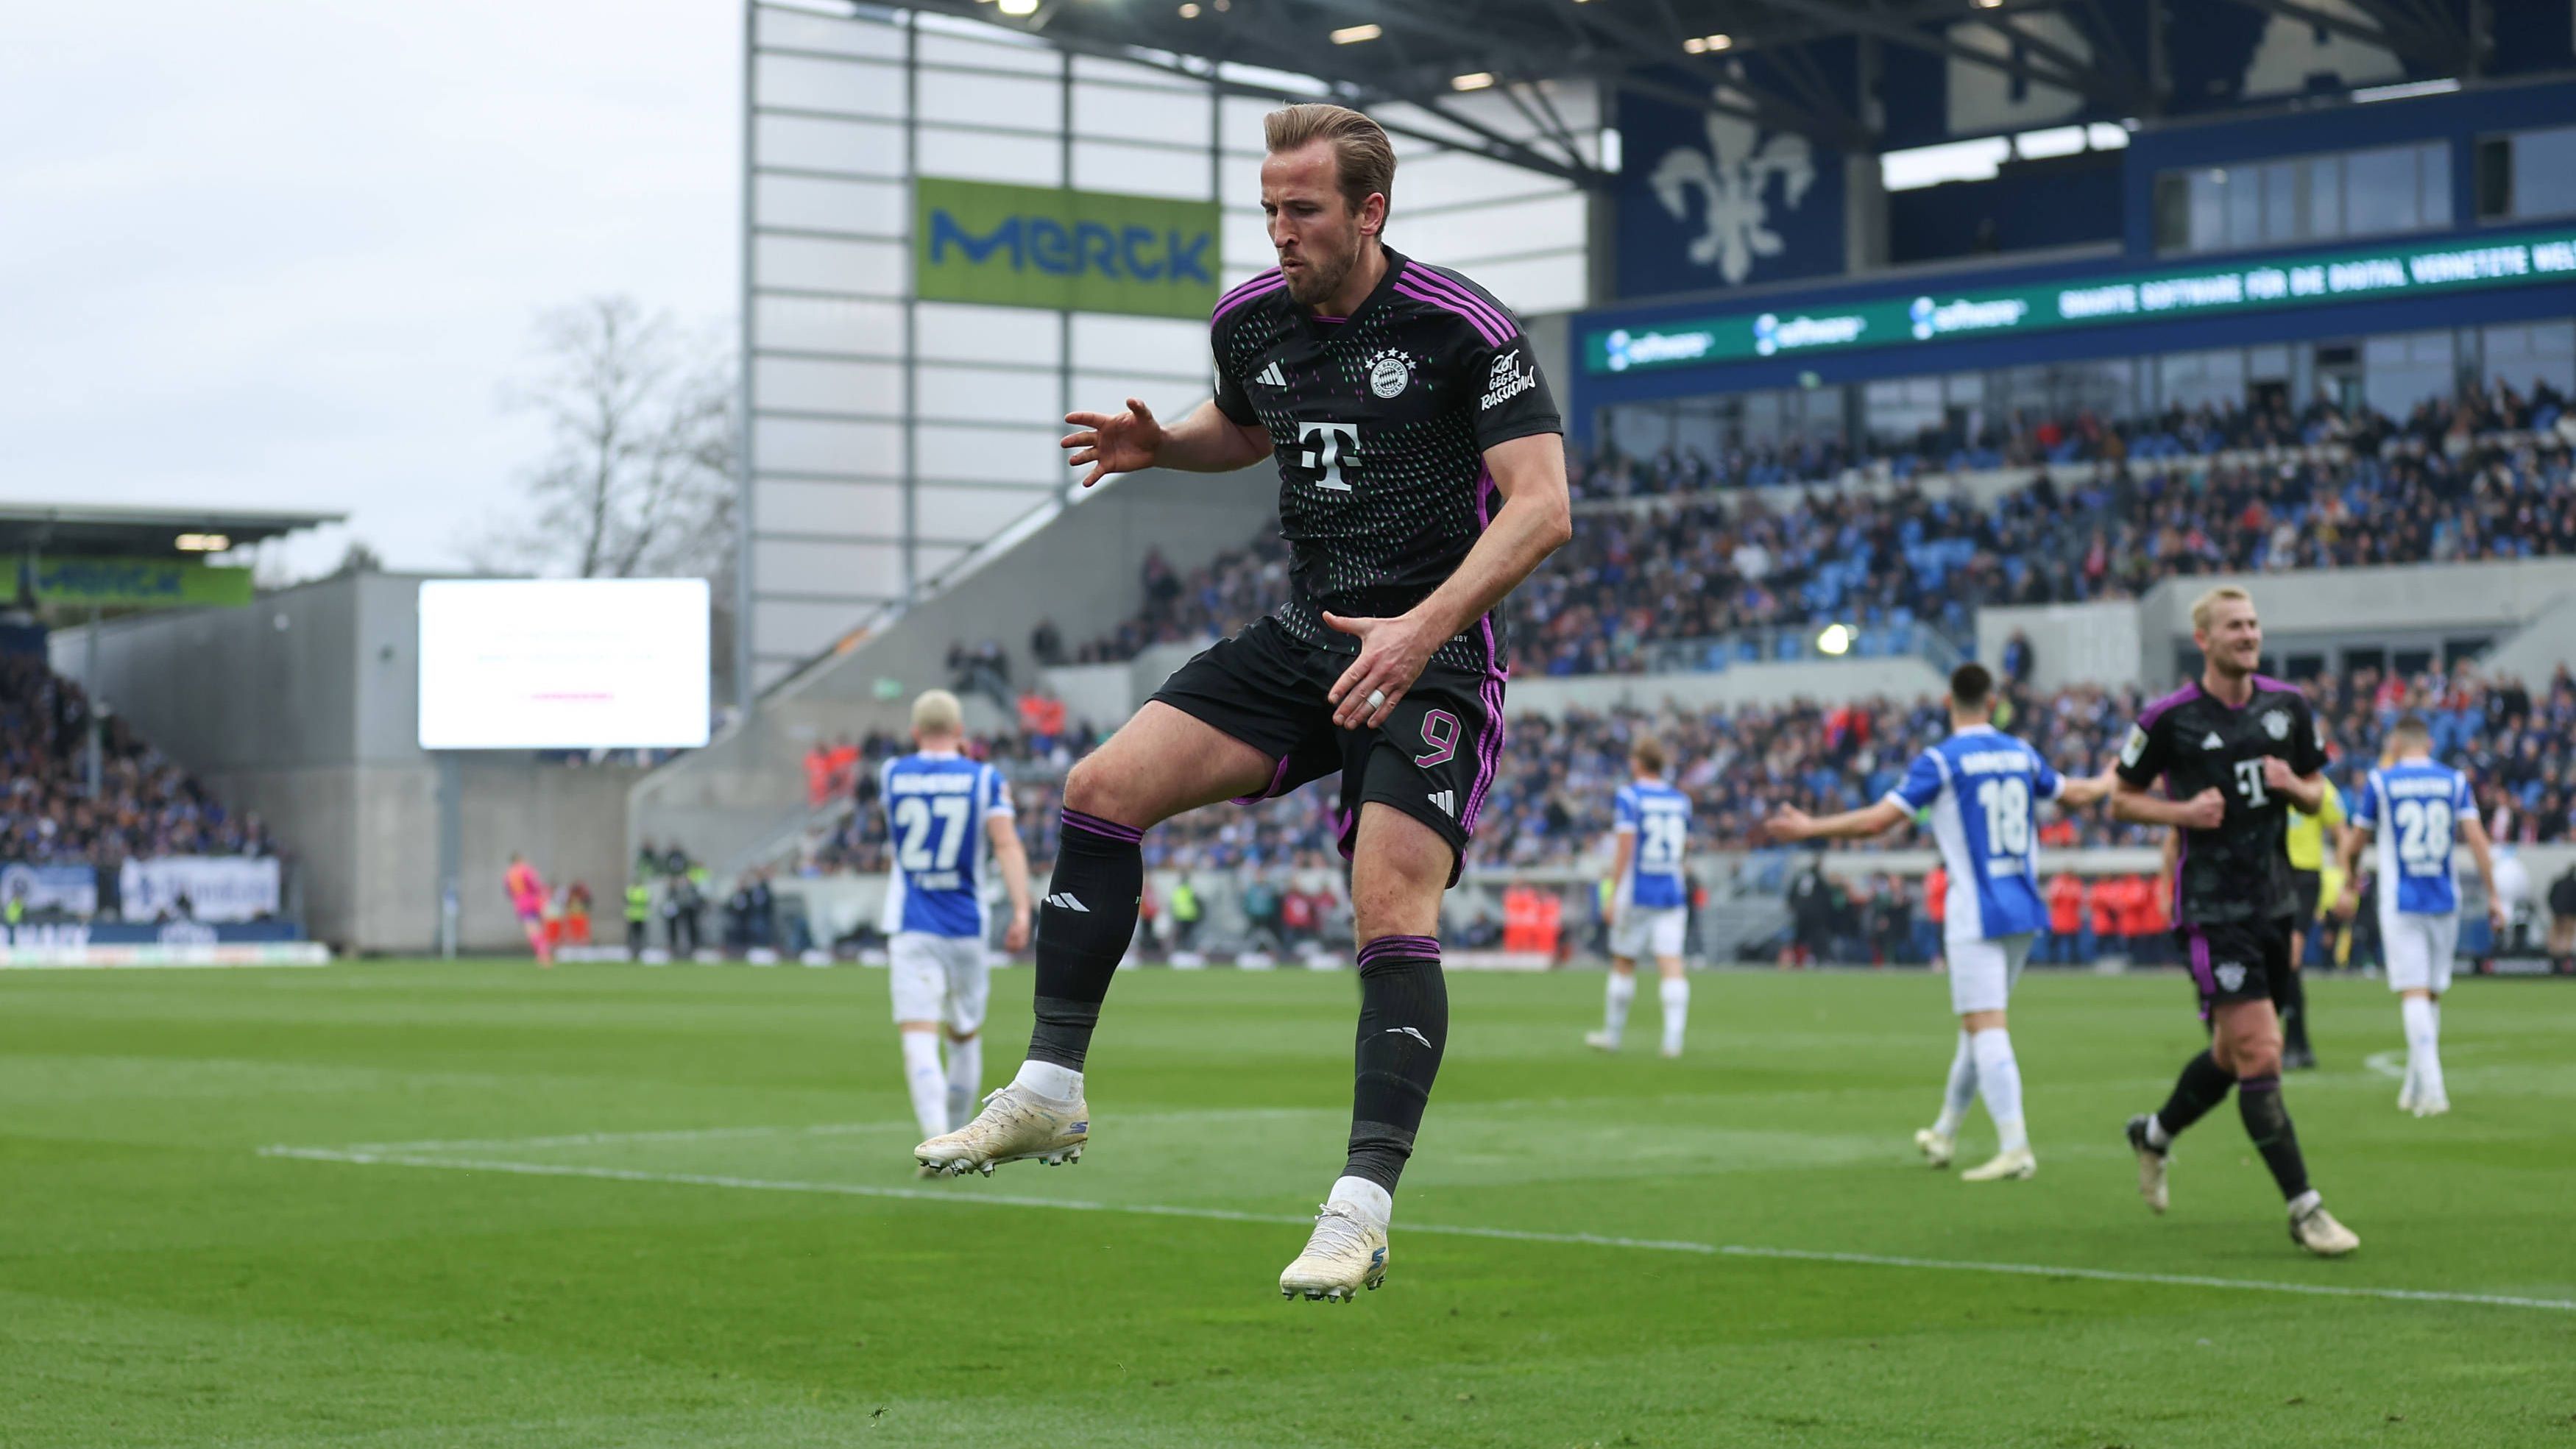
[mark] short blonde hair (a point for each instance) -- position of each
(1648, 753)
(1363, 159)
(2207, 604)
(937, 712)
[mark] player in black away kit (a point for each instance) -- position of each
(1421, 477)
(2237, 753)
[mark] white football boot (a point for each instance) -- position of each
(2151, 1163)
(2318, 1232)
(2016, 1164)
(1601, 1041)
(1346, 1254)
(1015, 1125)
(1937, 1145)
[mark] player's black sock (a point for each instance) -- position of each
(1084, 926)
(2267, 1121)
(1404, 1025)
(2202, 1085)
(2293, 1002)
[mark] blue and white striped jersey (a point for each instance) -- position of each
(1659, 816)
(2415, 808)
(1982, 786)
(936, 807)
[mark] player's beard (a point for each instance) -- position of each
(1315, 283)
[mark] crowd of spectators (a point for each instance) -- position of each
(145, 805)
(1550, 804)
(2114, 509)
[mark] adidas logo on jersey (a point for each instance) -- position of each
(1271, 376)
(1063, 900)
(1446, 801)
(2212, 742)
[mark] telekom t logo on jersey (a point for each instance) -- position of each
(1324, 449)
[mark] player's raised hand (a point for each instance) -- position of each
(1392, 655)
(2204, 811)
(1120, 443)
(1789, 824)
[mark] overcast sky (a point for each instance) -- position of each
(284, 253)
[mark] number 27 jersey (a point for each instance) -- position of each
(1379, 422)
(1980, 785)
(936, 807)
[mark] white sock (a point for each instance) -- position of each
(965, 1079)
(1374, 1202)
(1999, 1082)
(1676, 997)
(1614, 1006)
(2306, 1200)
(1961, 1091)
(1062, 1084)
(929, 1085)
(2423, 1045)
(2157, 1137)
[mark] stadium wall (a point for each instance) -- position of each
(304, 708)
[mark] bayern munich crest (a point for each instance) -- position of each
(1389, 372)
(2277, 725)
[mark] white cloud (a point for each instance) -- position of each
(284, 254)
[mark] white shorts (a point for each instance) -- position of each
(1645, 931)
(939, 978)
(1982, 973)
(2419, 949)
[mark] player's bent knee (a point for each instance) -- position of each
(925, 1028)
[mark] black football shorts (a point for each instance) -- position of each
(2238, 961)
(1434, 757)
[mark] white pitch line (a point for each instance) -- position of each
(1455, 1230)
(2387, 1064)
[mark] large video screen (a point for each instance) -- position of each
(544, 664)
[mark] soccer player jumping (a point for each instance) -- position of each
(2237, 753)
(1421, 477)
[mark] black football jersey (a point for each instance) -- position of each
(1379, 422)
(2239, 871)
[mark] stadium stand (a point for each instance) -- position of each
(1689, 555)
(146, 805)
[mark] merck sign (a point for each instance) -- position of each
(1076, 251)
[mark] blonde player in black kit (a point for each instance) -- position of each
(1421, 477)
(2237, 752)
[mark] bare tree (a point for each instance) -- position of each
(638, 476)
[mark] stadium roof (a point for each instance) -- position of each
(93, 530)
(1678, 51)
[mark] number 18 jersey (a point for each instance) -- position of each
(2415, 808)
(1981, 785)
(936, 806)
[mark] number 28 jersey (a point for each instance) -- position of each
(936, 807)
(2241, 870)
(1981, 786)
(2414, 809)
(1379, 422)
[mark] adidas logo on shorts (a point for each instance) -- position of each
(1446, 801)
(1063, 900)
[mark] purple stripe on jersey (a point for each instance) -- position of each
(1076, 820)
(1483, 328)
(1275, 282)
(2276, 686)
(1486, 491)
(1276, 776)
(1391, 946)
(1332, 319)
(1248, 283)
(2147, 717)
(1489, 750)
(1451, 287)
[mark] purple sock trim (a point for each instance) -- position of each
(1076, 820)
(2258, 1084)
(1385, 947)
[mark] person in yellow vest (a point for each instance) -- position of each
(639, 913)
(2309, 852)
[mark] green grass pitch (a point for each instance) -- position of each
(675, 1207)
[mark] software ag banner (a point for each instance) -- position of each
(1076, 251)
